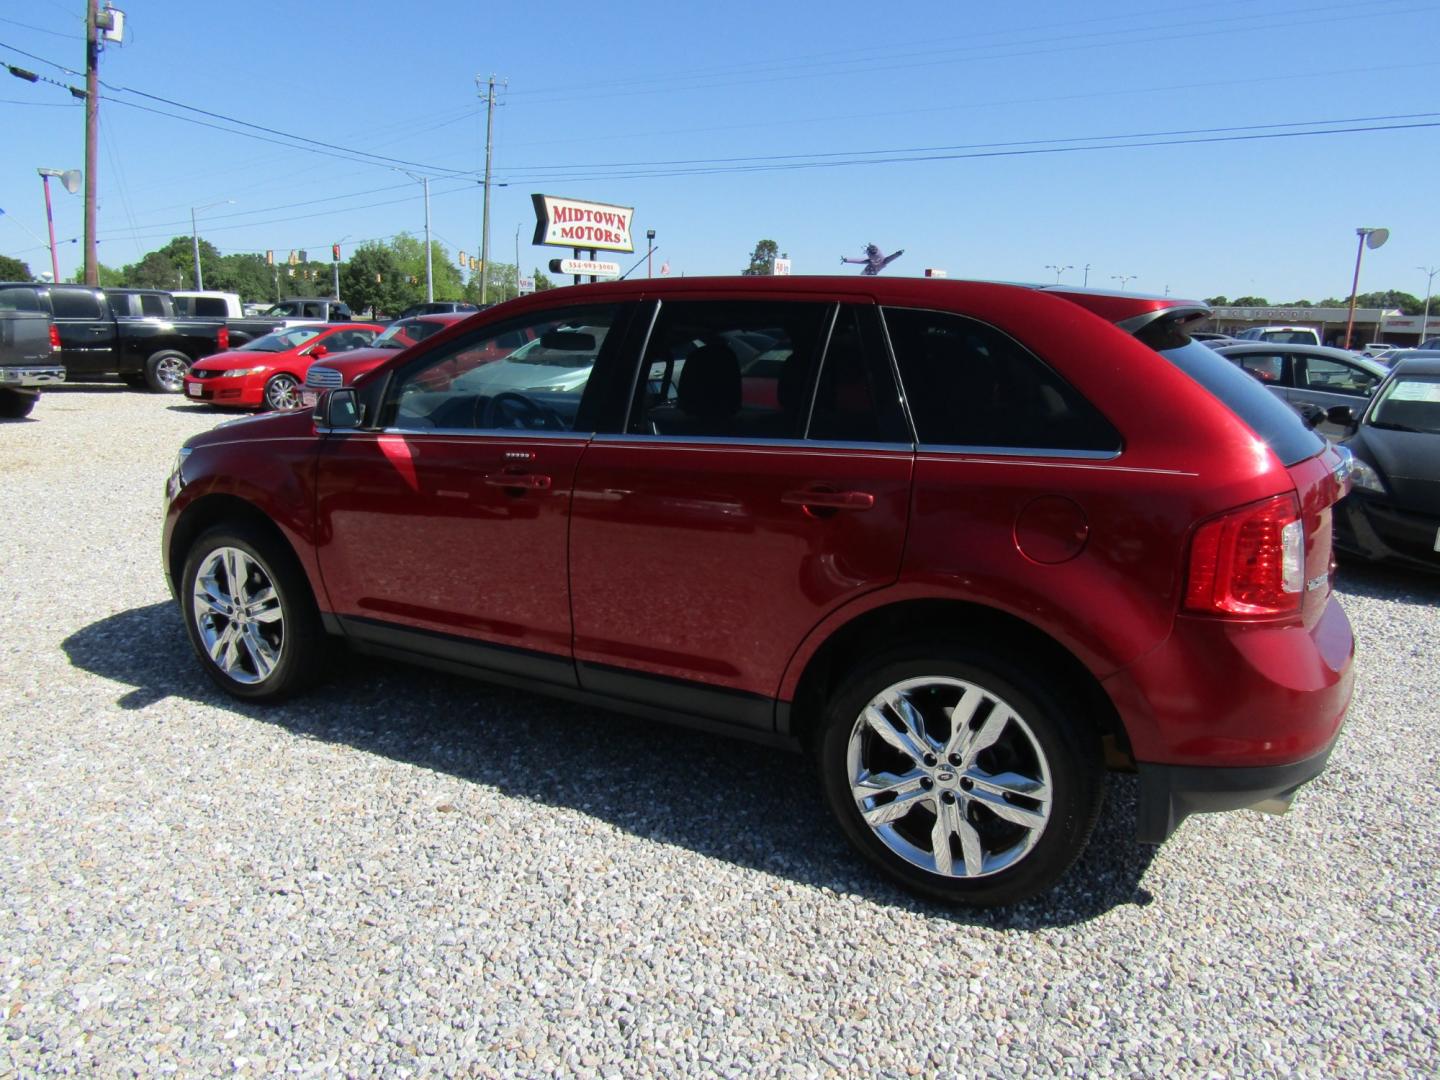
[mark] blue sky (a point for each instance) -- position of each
(723, 124)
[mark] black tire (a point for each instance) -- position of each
(282, 393)
(294, 651)
(936, 674)
(16, 404)
(165, 371)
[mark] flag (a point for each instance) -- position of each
(665, 269)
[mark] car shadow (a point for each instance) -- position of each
(721, 798)
(1381, 582)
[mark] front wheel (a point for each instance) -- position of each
(250, 614)
(165, 371)
(17, 404)
(282, 393)
(958, 775)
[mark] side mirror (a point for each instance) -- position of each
(1342, 415)
(317, 351)
(341, 409)
(1311, 413)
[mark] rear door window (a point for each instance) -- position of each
(1269, 368)
(1336, 377)
(971, 385)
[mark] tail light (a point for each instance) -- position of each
(223, 338)
(1249, 561)
(54, 338)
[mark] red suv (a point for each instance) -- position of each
(969, 544)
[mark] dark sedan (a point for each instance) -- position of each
(1393, 511)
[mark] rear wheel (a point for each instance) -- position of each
(282, 393)
(17, 404)
(165, 371)
(959, 775)
(250, 614)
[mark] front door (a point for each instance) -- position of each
(445, 527)
(746, 500)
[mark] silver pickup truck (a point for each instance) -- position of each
(29, 358)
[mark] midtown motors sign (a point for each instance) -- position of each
(571, 223)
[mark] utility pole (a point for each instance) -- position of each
(485, 212)
(92, 134)
(429, 272)
(1428, 271)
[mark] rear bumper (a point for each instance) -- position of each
(1171, 793)
(27, 377)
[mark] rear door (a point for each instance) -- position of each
(760, 483)
(87, 330)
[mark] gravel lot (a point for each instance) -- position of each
(405, 873)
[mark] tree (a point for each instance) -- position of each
(762, 259)
(1249, 301)
(371, 281)
(1219, 301)
(14, 270)
(410, 256)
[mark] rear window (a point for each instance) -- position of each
(1270, 418)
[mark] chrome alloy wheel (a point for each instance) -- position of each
(949, 777)
(170, 373)
(282, 393)
(238, 615)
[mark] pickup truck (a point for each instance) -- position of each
(226, 307)
(308, 310)
(132, 333)
(28, 342)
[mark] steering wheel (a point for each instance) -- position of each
(509, 409)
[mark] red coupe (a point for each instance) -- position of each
(267, 373)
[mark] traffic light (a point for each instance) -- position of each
(293, 260)
(304, 257)
(335, 252)
(269, 258)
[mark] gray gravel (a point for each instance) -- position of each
(405, 873)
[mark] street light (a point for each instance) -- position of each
(71, 179)
(1371, 238)
(1429, 272)
(649, 251)
(1122, 279)
(195, 239)
(1058, 271)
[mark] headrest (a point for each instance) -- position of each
(709, 385)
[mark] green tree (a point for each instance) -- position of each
(108, 276)
(762, 259)
(14, 270)
(1219, 301)
(1249, 301)
(410, 256)
(371, 281)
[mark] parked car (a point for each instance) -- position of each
(269, 371)
(1052, 534)
(342, 371)
(439, 307)
(244, 326)
(132, 333)
(300, 310)
(1392, 514)
(1281, 335)
(1378, 350)
(28, 347)
(1310, 374)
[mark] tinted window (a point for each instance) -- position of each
(479, 382)
(857, 399)
(1267, 367)
(19, 300)
(733, 369)
(151, 305)
(74, 304)
(209, 307)
(1270, 418)
(968, 384)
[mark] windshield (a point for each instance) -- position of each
(406, 333)
(1409, 403)
(281, 340)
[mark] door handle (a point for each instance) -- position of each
(829, 500)
(519, 481)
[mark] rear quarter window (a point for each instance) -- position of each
(969, 384)
(1270, 418)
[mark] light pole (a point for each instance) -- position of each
(429, 275)
(71, 179)
(1371, 238)
(1122, 279)
(649, 252)
(1058, 271)
(1086, 283)
(195, 239)
(1429, 272)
